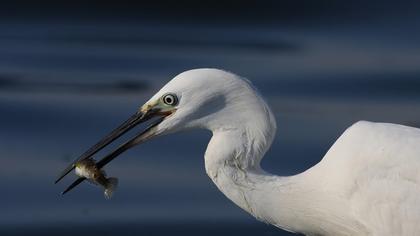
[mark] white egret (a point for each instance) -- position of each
(368, 183)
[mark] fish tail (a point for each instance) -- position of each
(111, 187)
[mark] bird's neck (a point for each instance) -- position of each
(234, 166)
(292, 203)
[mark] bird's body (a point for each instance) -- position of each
(373, 171)
(367, 184)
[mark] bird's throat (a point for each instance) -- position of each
(235, 172)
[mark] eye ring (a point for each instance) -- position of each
(170, 99)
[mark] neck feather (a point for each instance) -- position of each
(292, 203)
(234, 166)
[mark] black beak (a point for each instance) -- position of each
(133, 121)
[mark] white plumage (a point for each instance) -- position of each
(367, 184)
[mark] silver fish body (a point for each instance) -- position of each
(87, 168)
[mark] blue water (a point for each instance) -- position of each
(64, 84)
(153, 229)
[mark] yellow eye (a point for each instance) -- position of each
(170, 99)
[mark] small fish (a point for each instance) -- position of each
(87, 168)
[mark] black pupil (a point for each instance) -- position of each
(169, 99)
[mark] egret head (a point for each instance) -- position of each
(205, 98)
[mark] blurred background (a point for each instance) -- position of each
(71, 72)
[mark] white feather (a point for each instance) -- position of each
(367, 184)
